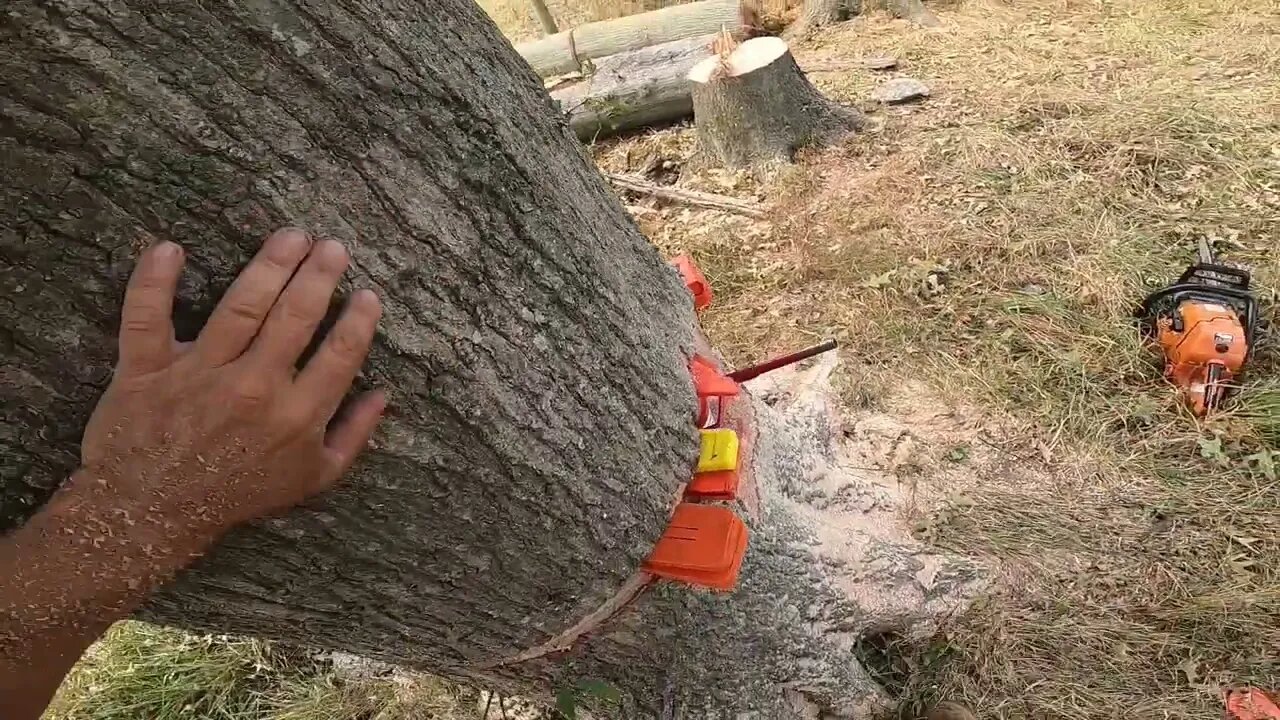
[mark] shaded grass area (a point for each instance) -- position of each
(994, 243)
(142, 672)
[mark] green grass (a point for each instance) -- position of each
(142, 672)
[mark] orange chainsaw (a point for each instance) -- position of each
(1205, 325)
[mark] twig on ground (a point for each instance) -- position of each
(831, 67)
(694, 198)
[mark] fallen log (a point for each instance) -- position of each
(695, 198)
(566, 51)
(633, 90)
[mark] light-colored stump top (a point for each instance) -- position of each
(747, 57)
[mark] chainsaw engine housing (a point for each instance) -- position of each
(1204, 324)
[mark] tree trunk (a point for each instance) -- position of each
(913, 10)
(821, 13)
(755, 108)
(545, 17)
(566, 52)
(534, 344)
(633, 90)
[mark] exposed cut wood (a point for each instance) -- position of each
(694, 198)
(635, 89)
(566, 51)
(755, 107)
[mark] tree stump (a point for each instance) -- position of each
(754, 107)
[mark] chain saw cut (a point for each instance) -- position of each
(1205, 325)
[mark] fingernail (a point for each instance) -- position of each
(388, 410)
(168, 250)
(332, 255)
(294, 234)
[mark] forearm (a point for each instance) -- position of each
(81, 563)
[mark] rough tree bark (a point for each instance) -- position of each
(821, 13)
(913, 10)
(534, 344)
(754, 107)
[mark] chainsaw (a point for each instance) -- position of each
(1205, 325)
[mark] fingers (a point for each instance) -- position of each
(350, 435)
(293, 321)
(329, 373)
(146, 323)
(240, 314)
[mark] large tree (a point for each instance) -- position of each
(534, 345)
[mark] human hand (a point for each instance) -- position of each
(214, 432)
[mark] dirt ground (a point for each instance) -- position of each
(979, 256)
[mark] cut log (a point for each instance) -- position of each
(565, 52)
(755, 107)
(710, 201)
(633, 90)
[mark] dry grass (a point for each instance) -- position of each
(1072, 154)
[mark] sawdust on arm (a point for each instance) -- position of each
(188, 441)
